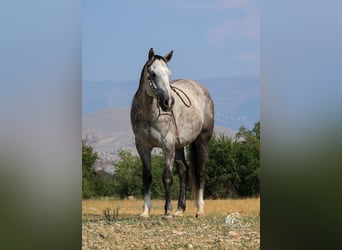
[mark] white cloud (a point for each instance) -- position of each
(247, 28)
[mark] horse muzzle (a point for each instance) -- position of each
(165, 101)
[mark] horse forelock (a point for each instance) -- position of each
(155, 57)
(159, 66)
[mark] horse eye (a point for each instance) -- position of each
(153, 75)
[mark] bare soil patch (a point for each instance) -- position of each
(128, 231)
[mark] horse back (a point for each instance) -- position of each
(201, 110)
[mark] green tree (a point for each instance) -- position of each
(252, 164)
(128, 175)
(233, 166)
(219, 167)
(88, 159)
(104, 184)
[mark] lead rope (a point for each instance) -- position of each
(187, 97)
(186, 104)
(174, 122)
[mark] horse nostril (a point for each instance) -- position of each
(166, 102)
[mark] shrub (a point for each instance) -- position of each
(233, 167)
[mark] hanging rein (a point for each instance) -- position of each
(175, 89)
(187, 104)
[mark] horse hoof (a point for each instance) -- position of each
(199, 214)
(167, 217)
(178, 213)
(144, 216)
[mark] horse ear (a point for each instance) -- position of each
(150, 54)
(168, 56)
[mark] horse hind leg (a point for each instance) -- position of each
(199, 155)
(145, 156)
(182, 169)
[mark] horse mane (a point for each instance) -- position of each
(141, 76)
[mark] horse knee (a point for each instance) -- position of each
(167, 178)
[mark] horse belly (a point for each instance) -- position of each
(189, 127)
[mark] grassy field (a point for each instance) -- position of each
(93, 209)
(128, 231)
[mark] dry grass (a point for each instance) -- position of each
(93, 209)
(208, 232)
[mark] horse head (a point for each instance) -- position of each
(157, 79)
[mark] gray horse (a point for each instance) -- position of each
(170, 115)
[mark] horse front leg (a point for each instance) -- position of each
(182, 169)
(145, 155)
(169, 156)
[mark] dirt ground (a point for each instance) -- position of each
(125, 230)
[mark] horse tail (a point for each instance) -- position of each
(194, 178)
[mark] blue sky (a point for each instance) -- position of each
(210, 38)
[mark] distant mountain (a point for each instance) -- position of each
(109, 130)
(236, 99)
(106, 94)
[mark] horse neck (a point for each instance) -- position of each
(143, 98)
(147, 102)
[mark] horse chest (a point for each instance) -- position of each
(153, 134)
